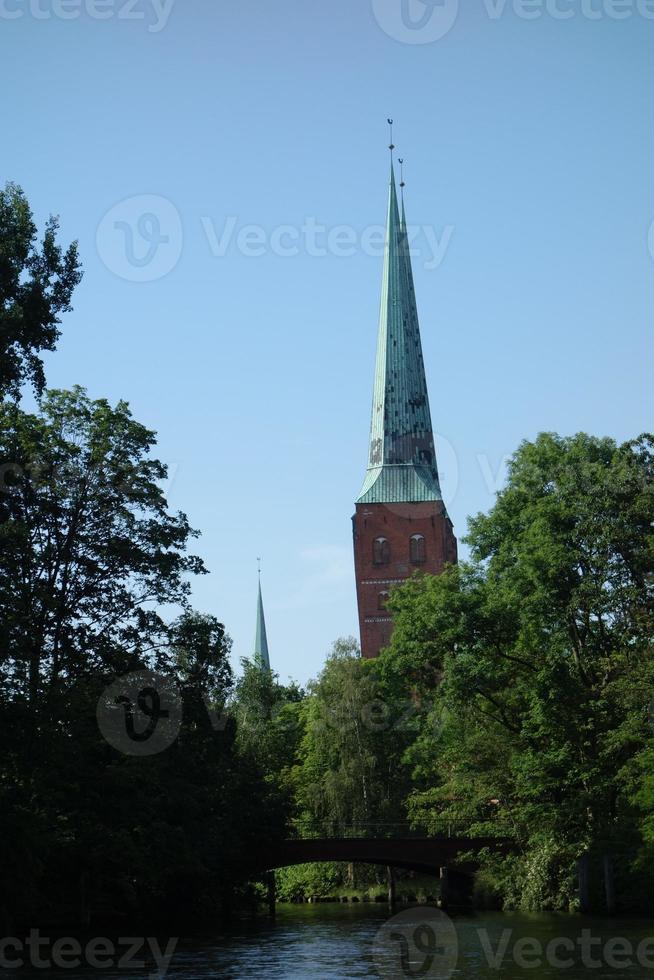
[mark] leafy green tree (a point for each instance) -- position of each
(348, 781)
(90, 552)
(200, 648)
(540, 652)
(269, 724)
(37, 280)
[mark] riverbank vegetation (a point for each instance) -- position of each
(514, 701)
(333, 882)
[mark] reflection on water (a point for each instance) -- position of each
(330, 942)
(336, 941)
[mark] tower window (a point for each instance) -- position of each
(381, 551)
(382, 599)
(417, 551)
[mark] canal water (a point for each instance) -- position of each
(330, 942)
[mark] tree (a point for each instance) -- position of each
(269, 725)
(36, 285)
(93, 818)
(540, 652)
(349, 781)
(90, 552)
(91, 559)
(200, 648)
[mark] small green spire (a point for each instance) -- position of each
(261, 656)
(402, 456)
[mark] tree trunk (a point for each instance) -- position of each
(444, 899)
(609, 883)
(272, 892)
(390, 878)
(584, 891)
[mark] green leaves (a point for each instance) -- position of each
(543, 653)
(36, 285)
(349, 779)
(90, 550)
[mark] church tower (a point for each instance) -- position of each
(400, 525)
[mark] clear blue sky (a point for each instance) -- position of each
(530, 154)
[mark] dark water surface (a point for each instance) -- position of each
(335, 941)
(330, 942)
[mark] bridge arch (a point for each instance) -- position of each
(425, 855)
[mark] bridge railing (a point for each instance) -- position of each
(308, 830)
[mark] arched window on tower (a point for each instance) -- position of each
(417, 551)
(382, 599)
(381, 551)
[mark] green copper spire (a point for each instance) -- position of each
(402, 458)
(260, 640)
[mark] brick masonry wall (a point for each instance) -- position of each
(397, 523)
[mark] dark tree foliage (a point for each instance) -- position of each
(91, 557)
(37, 280)
(90, 552)
(268, 718)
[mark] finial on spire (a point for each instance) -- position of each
(259, 566)
(401, 163)
(391, 145)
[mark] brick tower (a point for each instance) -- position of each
(400, 524)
